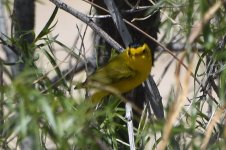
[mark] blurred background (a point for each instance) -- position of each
(42, 59)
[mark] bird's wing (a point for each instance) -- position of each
(115, 71)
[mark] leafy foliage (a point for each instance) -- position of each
(34, 106)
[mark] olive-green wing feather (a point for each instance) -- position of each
(115, 71)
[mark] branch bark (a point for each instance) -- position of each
(88, 21)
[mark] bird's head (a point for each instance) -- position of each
(136, 52)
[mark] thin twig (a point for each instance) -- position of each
(175, 110)
(1, 100)
(199, 25)
(88, 21)
(121, 26)
(129, 117)
(210, 126)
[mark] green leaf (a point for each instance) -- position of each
(46, 29)
(56, 67)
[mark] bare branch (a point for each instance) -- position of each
(88, 21)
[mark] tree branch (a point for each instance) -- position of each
(89, 22)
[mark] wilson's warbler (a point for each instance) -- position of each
(123, 72)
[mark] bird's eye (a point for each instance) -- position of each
(129, 53)
(144, 51)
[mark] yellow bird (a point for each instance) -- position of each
(123, 72)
